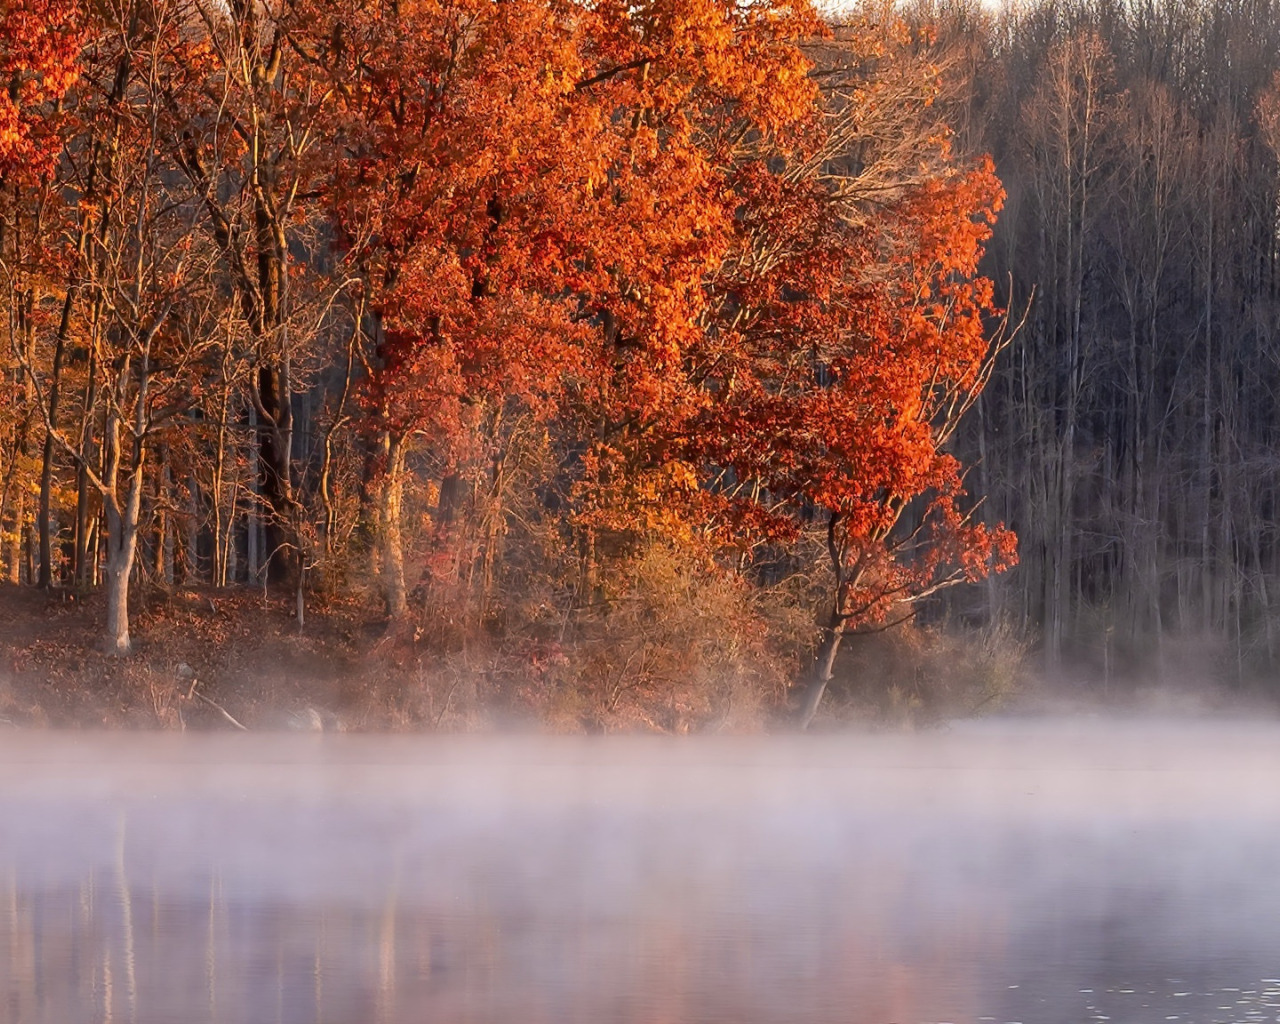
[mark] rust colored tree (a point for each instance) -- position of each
(822, 357)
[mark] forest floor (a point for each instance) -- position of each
(202, 657)
(208, 658)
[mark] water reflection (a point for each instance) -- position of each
(1006, 872)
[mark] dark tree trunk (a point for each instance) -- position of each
(275, 437)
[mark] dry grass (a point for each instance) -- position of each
(671, 644)
(195, 651)
(915, 676)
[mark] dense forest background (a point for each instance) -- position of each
(1129, 435)
(612, 364)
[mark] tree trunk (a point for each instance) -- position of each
(43, 513)
(162, 566)
(29, 554)
(587, 568)
(122, 546)
(222, 516)
(275, 440)
(15, 537)
(85, 576)
(450, 498)
(46, 462)
(390, 541)
(117, 639)
(95, 544)
(81, 569)
(253, 510)
(191, 573)
(823, 669)
(338, 419)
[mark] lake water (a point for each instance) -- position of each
(1041, 872)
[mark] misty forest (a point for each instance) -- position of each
(676, 365)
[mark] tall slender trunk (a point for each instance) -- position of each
(253, 511)
(192, 561)
(84, 521)
(275, 441)
(494, 528)
(587, 568)
(29, 551)
(22, 443)
(338, 419)
(95, 559)
(164, 522)
(275, 384)
(832, 633)
(122, 544)
(44, 519)
(223, 498)
(81, 558)
(16, 536)
(1207, 560)
(390, 540)
(43, 516)
(6, 490)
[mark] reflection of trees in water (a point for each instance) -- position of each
(590, 892)
(121, 951)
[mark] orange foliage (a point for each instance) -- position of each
(40, 44)
(616, 213)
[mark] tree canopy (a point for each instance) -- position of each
(475, 300)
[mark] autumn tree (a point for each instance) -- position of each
(739, 265)
(40, 43)
(552, 247)
(573, 281)
(133, 295)
(39, 50)
(855, 338)
(254, 139)
(454, 214)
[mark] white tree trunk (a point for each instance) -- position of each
(122, 545)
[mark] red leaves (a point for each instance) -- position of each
(622, 216)
(39, 49)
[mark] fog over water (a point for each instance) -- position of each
(1034, 871)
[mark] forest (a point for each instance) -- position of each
(1129, 434)
(683, 364)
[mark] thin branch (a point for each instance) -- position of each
(608, 73)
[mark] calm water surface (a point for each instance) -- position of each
(1004, 871)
